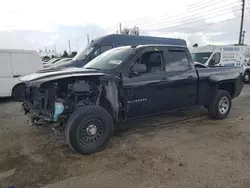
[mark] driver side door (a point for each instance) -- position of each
(143, 92)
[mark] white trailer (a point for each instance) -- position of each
(14, 64)
(224, 55)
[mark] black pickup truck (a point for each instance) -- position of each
(122, 84)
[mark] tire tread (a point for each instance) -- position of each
(213, 107)
(80, 114)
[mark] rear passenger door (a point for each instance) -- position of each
(182, 78)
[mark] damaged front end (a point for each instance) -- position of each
(50, 102)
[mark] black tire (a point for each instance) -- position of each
(246, 78)
(18, 92)
(78, 136)
(214, 109)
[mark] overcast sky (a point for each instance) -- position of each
(36, 24)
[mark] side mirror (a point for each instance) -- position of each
(139, 68)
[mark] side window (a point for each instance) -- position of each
(105, 48)
(178, 60)
(215, 59)
(102, 49)
(151, 61)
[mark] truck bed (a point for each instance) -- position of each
(210, 77)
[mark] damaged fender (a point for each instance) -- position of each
(53, 97)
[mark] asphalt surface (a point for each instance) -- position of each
(181, 149)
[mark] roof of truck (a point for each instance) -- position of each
(148, 45)
(159, 45)
(135, 39)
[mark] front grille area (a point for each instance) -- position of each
(41, 101)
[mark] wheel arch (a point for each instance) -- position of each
(227, 86)
(247, 70)
(18, 92)
(15, 86)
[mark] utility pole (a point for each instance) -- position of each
(55, 50)
(76, 45)
(88, 38)
(243, 37)
(120, 28)
(69, 48)
(242, 21)
(46, 51)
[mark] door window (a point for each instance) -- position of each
(178, 61)
(102, 49)
(215, 59)
(152, 60)
(105, 48)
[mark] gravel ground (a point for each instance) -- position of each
(184, 149)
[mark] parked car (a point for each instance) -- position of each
(125, 83)
(63, 60)
(14, 64)
(59, 62)
(102, 44)
(51, 62)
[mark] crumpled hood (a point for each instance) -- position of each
(57, 73)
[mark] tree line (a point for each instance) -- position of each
(130, 31)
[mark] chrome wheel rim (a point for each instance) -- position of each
(224, 105)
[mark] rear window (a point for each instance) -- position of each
(178, 61)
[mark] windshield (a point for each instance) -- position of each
(110, 59)
(83, 54)
(201, 57)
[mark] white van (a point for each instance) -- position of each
(224, 55)
(13, 64)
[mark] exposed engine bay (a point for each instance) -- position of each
(52, 102)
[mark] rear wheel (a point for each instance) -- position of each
(89, 129)
(221, 105)
(247, 78)
(18, 92)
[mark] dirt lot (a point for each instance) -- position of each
(184, 149)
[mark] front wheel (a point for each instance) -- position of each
(221, 105)
(89, 129)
